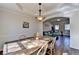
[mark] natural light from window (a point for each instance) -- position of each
(56, 27)
(67, 26)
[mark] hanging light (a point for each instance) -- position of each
(40, 17)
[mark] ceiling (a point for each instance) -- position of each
(58, 19)
(47, 8)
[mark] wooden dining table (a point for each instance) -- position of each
(24, 47)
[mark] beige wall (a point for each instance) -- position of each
(11, 26)
(74, 42)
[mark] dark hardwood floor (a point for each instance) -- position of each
(62, 45)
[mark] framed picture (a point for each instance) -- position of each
(25, 25)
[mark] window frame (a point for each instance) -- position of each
(67, 27)
(56, 27)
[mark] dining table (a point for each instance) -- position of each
(25, 47)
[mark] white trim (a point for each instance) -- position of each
(16, 12)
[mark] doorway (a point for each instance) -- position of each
(53, 27)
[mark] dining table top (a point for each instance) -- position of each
(24, 47)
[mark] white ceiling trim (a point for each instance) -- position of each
(16, 12)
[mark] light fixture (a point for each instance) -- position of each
(58, 19)
(40, 17)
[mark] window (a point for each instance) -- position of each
(67, 26)
(56, 27)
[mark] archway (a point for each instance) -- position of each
(53, 27)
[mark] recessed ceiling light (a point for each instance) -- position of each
(58, 19)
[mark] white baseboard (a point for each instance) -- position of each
(74, 48)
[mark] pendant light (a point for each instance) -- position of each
(40, 17)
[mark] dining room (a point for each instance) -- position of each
(22, 30)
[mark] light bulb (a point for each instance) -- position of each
(40, 18)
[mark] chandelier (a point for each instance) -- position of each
(40, 17)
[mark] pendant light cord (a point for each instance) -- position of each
(40, 9)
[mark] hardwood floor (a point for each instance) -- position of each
(62, 45)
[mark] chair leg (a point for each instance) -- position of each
(51, 51)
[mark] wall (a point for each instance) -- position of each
(74, 42)
(11, 26)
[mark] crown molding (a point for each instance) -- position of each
(16, 12)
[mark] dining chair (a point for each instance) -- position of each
(51, 47)
(43, 49)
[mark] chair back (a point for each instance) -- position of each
(51, 46)
(43, 49)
